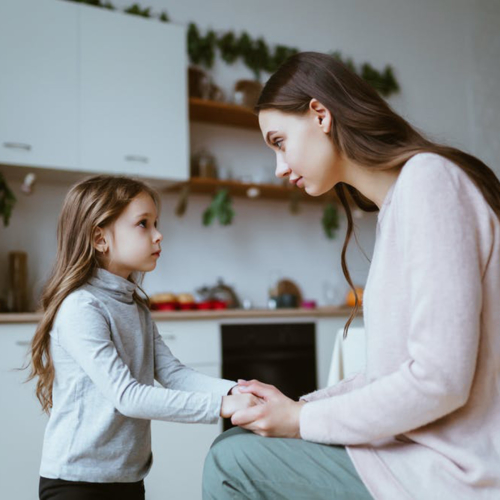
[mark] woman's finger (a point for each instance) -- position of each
(261, 390)
(247, 416)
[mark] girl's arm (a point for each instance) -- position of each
(82, 330)
(172, 374)
(441, 234)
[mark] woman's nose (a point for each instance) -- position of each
(282, 169)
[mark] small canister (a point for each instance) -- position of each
(18, 279)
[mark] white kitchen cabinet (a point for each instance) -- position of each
(39, 83)
(22, 421)
(179, 450)
(133, 103)
(326, 333)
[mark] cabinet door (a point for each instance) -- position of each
(38, 83)
(179, 452)
(23, 423)
(133, 95)
(326, 334)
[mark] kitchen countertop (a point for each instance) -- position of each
(319, 312)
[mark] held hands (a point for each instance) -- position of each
(237, 401)
(279, 416)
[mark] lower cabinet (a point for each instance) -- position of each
(22, 421)
(179, 452)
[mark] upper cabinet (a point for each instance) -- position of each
(91, 90)
(39, 83)
(133, 106)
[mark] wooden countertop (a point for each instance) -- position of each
(320, 312)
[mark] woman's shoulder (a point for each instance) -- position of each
(430, 167)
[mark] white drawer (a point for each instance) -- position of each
(193, 342)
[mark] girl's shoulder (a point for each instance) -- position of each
(80, 304)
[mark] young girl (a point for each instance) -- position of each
(422, 420)
(97, 352)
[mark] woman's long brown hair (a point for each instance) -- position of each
(95, 202)
(364, 129)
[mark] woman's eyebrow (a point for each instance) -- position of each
(268, 136)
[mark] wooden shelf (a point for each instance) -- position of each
(221, 113)
(198, 185)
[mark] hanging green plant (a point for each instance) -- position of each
(220, 208)
(201, 49)
(136, 10)
(330, 220)
(255, 54)
(7, 201)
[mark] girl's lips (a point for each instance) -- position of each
(300, 182)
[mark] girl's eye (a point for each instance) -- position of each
(143, 223)
(278, 144)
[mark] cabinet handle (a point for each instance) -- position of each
(22, 342)
(169, 336)
(17, 145)
(142, 159)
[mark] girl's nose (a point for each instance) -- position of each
(158, 236)
(282, 169)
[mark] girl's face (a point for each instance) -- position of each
(303, 147)
(132, 243)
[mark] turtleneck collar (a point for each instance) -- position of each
(115, 286)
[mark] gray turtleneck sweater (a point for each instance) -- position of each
(107, 352)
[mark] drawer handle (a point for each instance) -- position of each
(23, 342)
(17, 145)
(142, 159)
(169, 336)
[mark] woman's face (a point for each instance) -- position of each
(303, 147)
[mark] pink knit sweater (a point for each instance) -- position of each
(423, 421)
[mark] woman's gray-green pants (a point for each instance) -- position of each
(241, 464)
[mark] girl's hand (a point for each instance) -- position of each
(232, 404)
(279, 416)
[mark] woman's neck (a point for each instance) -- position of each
(371, 183)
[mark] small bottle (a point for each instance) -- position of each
(18, 279)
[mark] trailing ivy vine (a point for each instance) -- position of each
(254, 53)
(7, 201)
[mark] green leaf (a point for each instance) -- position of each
(330, 220)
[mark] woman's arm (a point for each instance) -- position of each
(346, 385)
(172, 374)
(440, 236)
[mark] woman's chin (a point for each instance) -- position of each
(314, 190)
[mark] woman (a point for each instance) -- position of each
(421, 422)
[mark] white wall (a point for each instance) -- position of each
(445, 54)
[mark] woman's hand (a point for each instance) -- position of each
(279, 416)
(236, 402)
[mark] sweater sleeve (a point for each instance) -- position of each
(346, 385)
(172, 374)
(82, 330)
(438, 233)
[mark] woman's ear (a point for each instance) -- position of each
(322, 115)
(100, 243)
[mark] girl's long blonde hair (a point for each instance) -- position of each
(364, 129)
(94, 203)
